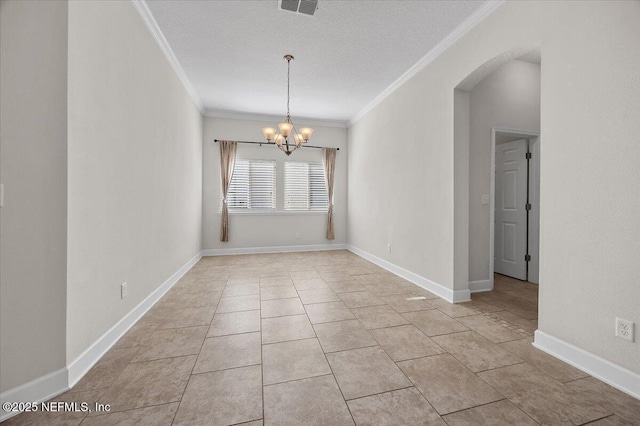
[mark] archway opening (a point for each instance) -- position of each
(498, 104)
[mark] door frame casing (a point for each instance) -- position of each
(534, 214)
(524, 134)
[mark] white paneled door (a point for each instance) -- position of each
(510, 209)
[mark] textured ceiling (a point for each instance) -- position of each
(345, 55)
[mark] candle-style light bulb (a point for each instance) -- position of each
(269, 133)
(306, 133)
(285, 129)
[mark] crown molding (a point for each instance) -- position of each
(478, 16)
(468, 24)
(148, 19)
(273, 118)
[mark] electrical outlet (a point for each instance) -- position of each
(297, 235)
(624, 329)
(123, 290)
(389, 248)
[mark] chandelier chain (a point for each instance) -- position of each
(287, 139)
(288, 82)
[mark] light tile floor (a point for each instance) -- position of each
(327, 338)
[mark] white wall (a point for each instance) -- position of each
(135, 169)
(461, 105)
(274, 230)
(509, 97)
(33, 169)
(401, 179)
(590, 179)
(401, 165)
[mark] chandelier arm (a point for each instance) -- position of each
(295, 134)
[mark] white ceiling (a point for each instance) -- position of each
(345, 55)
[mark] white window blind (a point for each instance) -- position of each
(304, 186)
(253, 185)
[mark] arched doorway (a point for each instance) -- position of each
(501, 98)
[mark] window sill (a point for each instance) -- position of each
(275, 213)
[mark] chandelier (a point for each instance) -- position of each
(288, 139)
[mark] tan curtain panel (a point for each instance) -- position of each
(227, 163)
(329, 163)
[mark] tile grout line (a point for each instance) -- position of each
(378, 345)
(195, 362)
(130, 363)
(329, 364)
(197, 356)
(391, 359)
(601, 418)
(261, 355)
(203, 275)
(132, 409)
(382, 393)
(463, 366)
(225, 369)
(337, 384)
(504, 398)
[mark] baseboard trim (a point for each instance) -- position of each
(275, 249)
(54, 383)
(620, 378)
(480, 286)
(81, 365)
(37, 390)
(449, 295)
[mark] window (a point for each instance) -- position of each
(304, 186)
(253, 185)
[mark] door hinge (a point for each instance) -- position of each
(527, 258)
(528, 156)
(527, 206)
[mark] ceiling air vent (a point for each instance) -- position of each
(306, 7)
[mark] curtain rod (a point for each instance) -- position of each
(273, 143)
